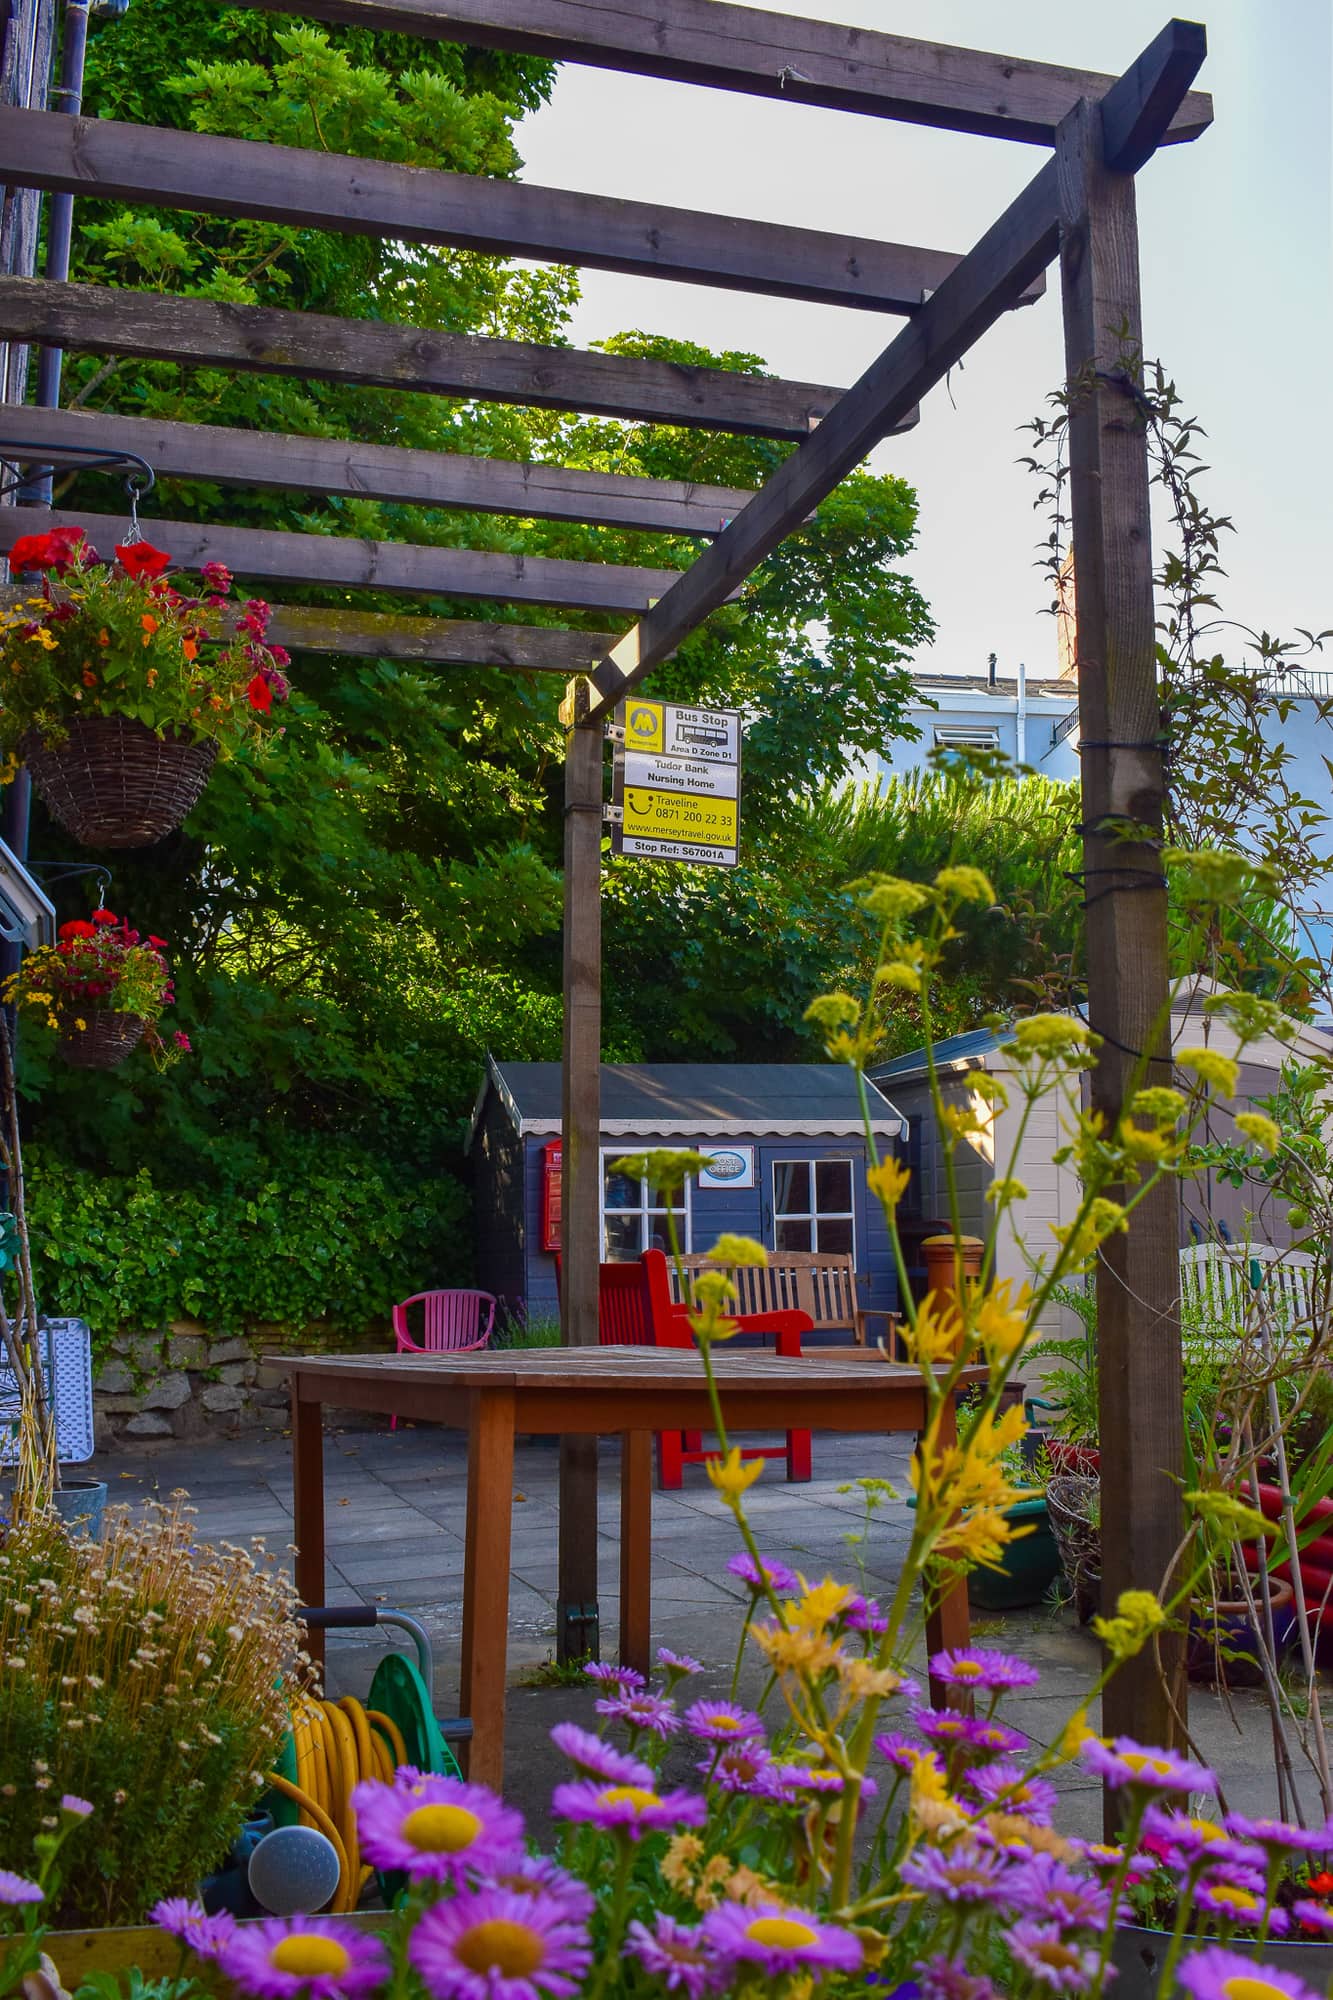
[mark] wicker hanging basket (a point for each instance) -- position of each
(103, 1042)
(113, 783)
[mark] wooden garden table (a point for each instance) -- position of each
(589, 1391)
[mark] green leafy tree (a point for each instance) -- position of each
(355, 918)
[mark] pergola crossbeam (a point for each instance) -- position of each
(548, 649)
(265, 556)
(388, 635)
(779, 56)
(377, 472)
(204, 173)
(266, 340)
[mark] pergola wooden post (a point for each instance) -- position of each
(580, 1165)
(1138, 1273)
(1079, 206)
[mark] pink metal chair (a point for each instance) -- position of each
(451, 1324)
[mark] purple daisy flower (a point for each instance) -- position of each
(677, 1666)
(775, 1575)
(1188, 1837)
(779, 1940)
(980, 1667)
(316, 1958)
(434, 1828)
(182, 1917)
(76, 1807)
(1126, 1764)
(598, 1759)
(1009, 1788)
(862, 1614)
(1275, 1836)
(1219, 1974)
(538, 1875)
(492, 1945)
(1314, 1917)
(945, 1979)
(952, 1729)
(678, 1954)
(989, 1737)
(740, 1767)
(608, 1675)
(1238, 1897)
(820, 1778)
(901, 1751)
(15, 1889)
(962, 1873)
(1054, 1961)
(722, 1722)
(638, 1712)
(1047, 1889)
(633, 1809)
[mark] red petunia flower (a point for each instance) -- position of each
(32, 552)
(105, 917)
(139, 559)
(260, 695)
(158, 944)
(78, 929)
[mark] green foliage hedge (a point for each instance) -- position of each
(326, 1239)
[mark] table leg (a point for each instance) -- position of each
(636, 1548)
(308, 1510)
(948, 1625)
(490, 1506)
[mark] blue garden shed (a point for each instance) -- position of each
(788, 1153)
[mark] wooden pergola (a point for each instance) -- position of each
(1096, 132)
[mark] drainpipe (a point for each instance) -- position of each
(66, 96)
(1021, 717)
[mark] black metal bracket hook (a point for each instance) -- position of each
(139, 475)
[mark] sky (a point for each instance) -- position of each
(1237, 258)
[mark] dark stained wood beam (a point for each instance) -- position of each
(1137, 115)
(376, 472)
(388, 635)
(94, 319)
(1021, 243)
(204, 173)
(547, 649)
(765, 55)
(263, 556)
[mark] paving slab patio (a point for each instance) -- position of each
(395, 1506)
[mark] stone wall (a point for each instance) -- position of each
(186, 1383)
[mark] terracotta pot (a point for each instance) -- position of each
(1227, 1625)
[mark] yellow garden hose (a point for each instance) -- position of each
(337, 1744)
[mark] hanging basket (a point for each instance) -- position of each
(1073, 1506)
(105, 1040)
(113, 783)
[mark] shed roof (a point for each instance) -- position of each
(954, 1049)
(698, 1100)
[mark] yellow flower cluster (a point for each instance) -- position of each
(1214, 1070)
(1137, 1616)
(1263, 1131)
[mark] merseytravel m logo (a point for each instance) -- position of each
(645, 726)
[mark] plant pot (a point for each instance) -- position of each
(1029, 1565)
(1138, 1956)
(1073, 1455)
(81, 1504)
(1072, 1500)
(114, 783)
(1223, 1641)
(105, 1040)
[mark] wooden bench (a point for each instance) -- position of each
(825, 1286)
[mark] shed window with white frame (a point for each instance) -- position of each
(949, 736)
(634, 1215)
(813, 1206)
